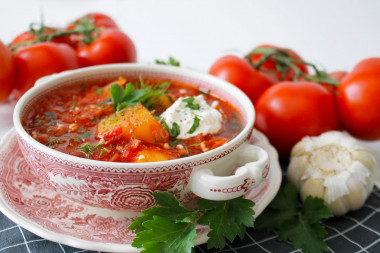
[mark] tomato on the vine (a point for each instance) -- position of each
(91, 40)
(239, 72)
(281, 70)
(337, 76)
(88, 28)
(30, 36)
(289, 111)
(6, 72)
(358, 100)
(40, 59)
(22, 38)
(112, 46)
(97, 19)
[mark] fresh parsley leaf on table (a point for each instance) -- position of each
(165, 235)
(169, 207)
(171, 227)
(301, 225)
(227, 219)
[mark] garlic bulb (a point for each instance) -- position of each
(334, 167)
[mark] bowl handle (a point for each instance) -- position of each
(256, 167)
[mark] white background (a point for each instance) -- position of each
(333, 34)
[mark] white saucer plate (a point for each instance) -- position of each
(28, 202)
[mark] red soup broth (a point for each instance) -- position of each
(67, 120)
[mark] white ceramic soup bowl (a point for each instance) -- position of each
(223, 173)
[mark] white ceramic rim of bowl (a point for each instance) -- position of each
(44, 83)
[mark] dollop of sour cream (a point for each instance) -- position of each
(210, 119)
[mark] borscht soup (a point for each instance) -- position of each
(132, 120)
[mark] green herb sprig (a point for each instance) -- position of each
(141, 92)
(81, 137)
(171, 62)
(195, 125)
(174, 131)
(299, 225)
(170, 227)
(99, 91)
(53, 142)
(88, 149)
(190, 103)
(74, 105)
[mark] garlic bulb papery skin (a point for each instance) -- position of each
(374, 146)
(335, 167)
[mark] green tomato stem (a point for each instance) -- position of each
(284, 62)
(84, 26)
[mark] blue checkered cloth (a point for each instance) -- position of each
(357, 231)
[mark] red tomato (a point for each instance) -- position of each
(366, 67)
(112, 46)
(270, 64)
(29, 36)
(240, 73)
(38, 60)
(23, 37)
(358, 100)
(337, 76)
(6, 72)
(289, 111)
(98, 19)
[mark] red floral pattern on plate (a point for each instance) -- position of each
(28, 202)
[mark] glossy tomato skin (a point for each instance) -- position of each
(98, 19)
(366, 67)
(35, 61)
(289, 111)
(29, 36)
(270, 64)
(7, 74)
(112, 46)
(239, 72)
(358, 100)
(102, 20)
(23, 37)
(338, 75)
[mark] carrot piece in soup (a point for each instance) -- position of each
(105, 94)
(135, 122)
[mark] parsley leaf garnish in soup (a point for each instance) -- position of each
(134, 120)
(195, 125)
